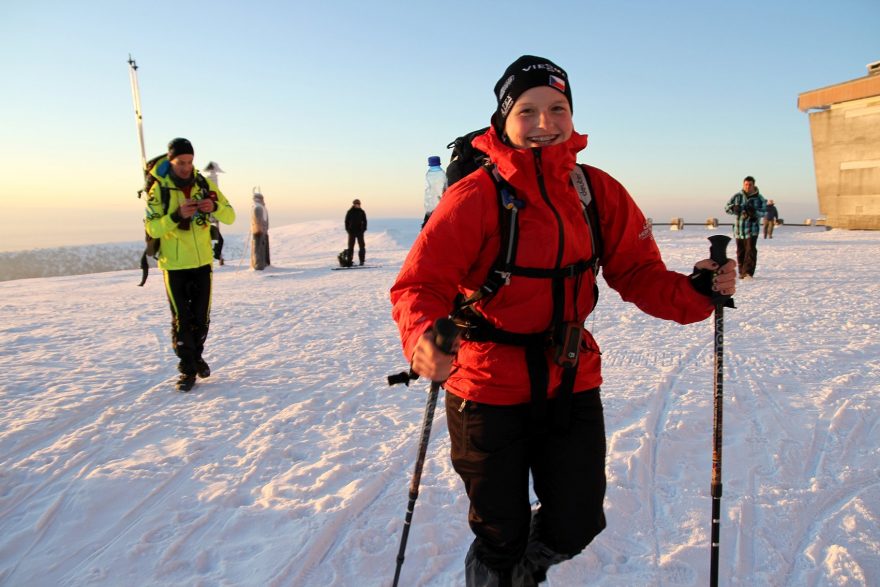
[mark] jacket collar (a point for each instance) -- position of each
(517, 165)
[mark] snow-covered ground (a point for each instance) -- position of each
(291, 464)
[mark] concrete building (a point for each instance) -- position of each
(845, 127)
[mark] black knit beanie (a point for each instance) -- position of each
(526, 73)
(179, 146)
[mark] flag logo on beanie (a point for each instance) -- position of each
(557, 83)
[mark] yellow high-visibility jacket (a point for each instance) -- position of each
(190, 247)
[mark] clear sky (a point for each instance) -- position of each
(320, 102)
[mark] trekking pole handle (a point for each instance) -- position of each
(718, 248)
(718, 253)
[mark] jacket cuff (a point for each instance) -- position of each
(409, 347)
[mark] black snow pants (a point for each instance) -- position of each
(362, 253)
(747, 255)
(189, 295)
(494, 448)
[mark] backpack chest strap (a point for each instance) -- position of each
(572, 270)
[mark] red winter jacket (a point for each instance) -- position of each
(456, 249)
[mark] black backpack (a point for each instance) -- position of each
(344, 259)
(465, 158)
(152, 244)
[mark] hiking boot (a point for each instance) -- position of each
(186, 382)
(202, 369)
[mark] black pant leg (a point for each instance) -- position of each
(568, 469)
(489, 450)
(177, 287)
(351, 238)
(362, 251)
(201, 300)
(750, 260)
(740, 256)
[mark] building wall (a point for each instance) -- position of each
(846, 151)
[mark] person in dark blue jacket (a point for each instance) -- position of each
(770, 219)
(749, 206)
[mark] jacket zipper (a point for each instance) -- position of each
(560, 251)
(543, 189)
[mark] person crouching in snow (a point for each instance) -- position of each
(512, 409)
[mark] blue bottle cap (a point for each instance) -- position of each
(433, 161)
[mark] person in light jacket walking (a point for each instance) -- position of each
(749, 206)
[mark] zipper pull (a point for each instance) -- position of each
(538, 171)
(462, 406)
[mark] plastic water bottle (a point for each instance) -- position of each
(435, 184)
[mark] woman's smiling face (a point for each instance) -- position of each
(540, 117)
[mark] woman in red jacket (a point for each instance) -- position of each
(514, 404)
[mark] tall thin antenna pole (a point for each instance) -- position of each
(136, 96)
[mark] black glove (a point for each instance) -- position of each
(737, 209)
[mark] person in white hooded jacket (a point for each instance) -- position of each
(260, 233)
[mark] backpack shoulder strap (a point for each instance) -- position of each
(508, 209)
(165, 194)
(202, 182)
(580, 178)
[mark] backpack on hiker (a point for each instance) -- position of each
(162, 166)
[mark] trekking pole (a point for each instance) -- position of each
(247, 249)
(136, 96)
(445, 333)
(718, 253)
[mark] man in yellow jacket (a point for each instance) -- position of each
(179, 207)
